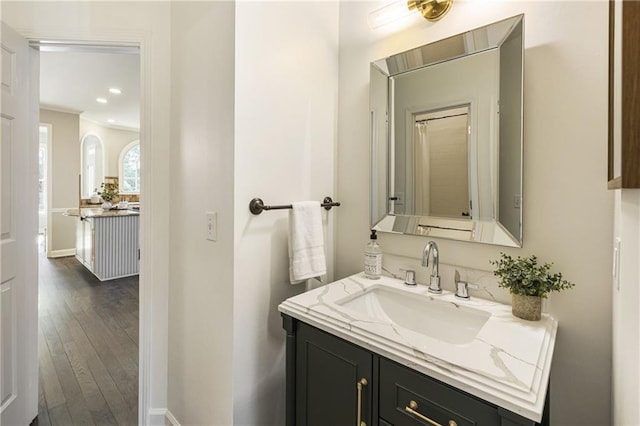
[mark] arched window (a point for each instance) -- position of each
(130, 168)
(92, 164)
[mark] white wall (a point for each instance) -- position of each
(568, 212)
(201, 294)
(285, 136)
(113, 141)
(64, 160)
(146, 23)
(626, 307)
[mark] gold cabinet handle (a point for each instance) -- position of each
(361, 384)
(413, 406)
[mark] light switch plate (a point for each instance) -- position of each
(517, 201)
(212, 226)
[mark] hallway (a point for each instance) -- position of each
(87, 346)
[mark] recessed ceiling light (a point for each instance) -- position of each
(111, 120)
(101, 100)
(115, 90)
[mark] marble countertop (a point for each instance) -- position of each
(507, 363)
(99, 212)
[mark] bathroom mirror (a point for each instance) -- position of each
(446, 137)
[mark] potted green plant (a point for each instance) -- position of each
(108, 192)
(528, 282)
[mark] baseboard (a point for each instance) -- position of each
(161, 417)
(62, 253)
(171, 419)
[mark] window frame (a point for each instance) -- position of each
(98, 177)
(121, 177)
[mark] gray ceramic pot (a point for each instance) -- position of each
(526, 307)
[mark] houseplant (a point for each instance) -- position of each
(108, 192)
(528, 282)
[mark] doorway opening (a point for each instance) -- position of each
(88, 317)
(441, 182)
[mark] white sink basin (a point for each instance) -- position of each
(440, 320)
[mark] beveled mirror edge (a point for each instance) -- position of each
(479, 231)
(501, 236)
(383, 63)
(519, 239)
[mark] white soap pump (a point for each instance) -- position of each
(373, 258)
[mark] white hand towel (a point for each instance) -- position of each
(306, 242)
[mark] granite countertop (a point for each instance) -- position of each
(507, 363)
(99, 212)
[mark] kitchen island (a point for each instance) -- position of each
(107, 241)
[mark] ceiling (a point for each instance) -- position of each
(70, 81)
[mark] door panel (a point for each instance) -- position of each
(8, 243)
(18, 229)
(9, 345)
(7, 173)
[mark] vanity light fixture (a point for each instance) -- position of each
(101, 100)
(111, 121)
(387, 14)
(432, 10)
(115, 90)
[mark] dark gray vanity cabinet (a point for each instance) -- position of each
(331, 381)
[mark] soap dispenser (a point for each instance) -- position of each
(373, 258)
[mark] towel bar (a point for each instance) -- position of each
(256, 206)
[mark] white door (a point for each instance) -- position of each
(18, 231)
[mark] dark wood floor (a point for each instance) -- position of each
(87, 347)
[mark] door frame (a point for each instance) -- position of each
(148, 323)
(49, 177)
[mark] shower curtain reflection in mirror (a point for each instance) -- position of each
(441, 176)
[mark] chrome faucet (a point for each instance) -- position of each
(434, 282)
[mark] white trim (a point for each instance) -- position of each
(61, 253)
(160, 417)
(171, 418)
(55, 108)
(148, 270)
(31, 386)
(157, 417)
(123, 152)
(49, 210)
(148, 255)
(111, 126)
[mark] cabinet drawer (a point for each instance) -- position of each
(403, 390)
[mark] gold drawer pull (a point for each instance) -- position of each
(413, 406)
(361, 383)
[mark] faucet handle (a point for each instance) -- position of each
(409, 277)
(462, 289)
